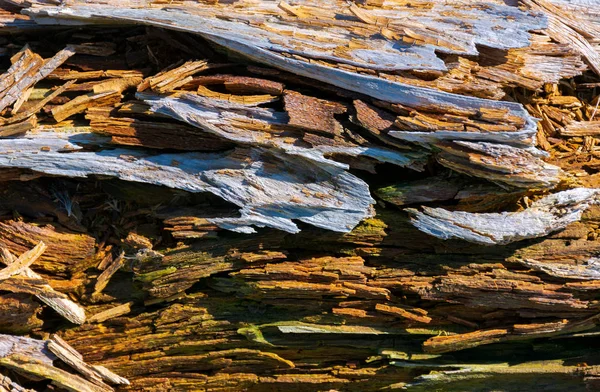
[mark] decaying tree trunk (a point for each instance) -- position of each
(304, 195)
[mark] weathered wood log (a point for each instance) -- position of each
(299, 196)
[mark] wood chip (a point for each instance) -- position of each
(23, 262)
(56, 300)
(36, 71)
(110, 270)
(83, 102)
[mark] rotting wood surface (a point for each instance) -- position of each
(299, 195)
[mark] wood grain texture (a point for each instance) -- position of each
(302, 195)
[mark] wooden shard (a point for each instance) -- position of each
(266, 128)
(108, 272)
(151, 134)
(586, 271)
(18, 128)
(117, 311)
(566, 29)
(546, 215)
(83, 102)
(312, 114)
(241, 85)
(173, 78)
(34, 359)
(308, 198)
(31, 111)
(581, 128)
(499, 163)
(70, 356)
(56, 300)
(28, 69)
(23, 262)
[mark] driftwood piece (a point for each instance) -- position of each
(487, 29)
(545, 216)
(587, 271)
(307, 196)
(499, 163)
